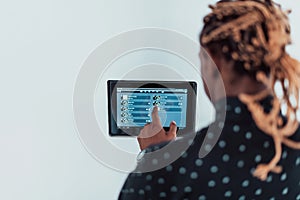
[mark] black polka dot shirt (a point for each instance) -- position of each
(226, 172)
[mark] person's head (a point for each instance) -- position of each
(245, 37)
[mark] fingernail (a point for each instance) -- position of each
(173, 122)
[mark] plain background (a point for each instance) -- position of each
(42, 46)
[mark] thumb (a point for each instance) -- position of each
(172, 131)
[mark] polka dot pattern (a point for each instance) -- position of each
(148, 188)
(225, 158)
(283, 177)
(236, 128)
(214, 169)
(149, 177)
(184, 155)
(174, 189)
(240, 164)
(226, 180)
(221, 124)
(208, 147)
(227, 169)
(210, 135)
(211, 183)
(161, 181)
(245, 183)
(298, 161)
(194, 175)
(257, 158)
(285, 191)
(228, 193)
(198, 162)
(237, 110)
(187, 189)
(222, 144)
(169, 168)
(141, 192)
(258, 192)
(243, 197)
(266, 144)
(167, 155)
(242, 148)
(248, 135)
(182, 170)
(202, 197)
(269, 179)
(162, 195)
(154, 161)
(284, 155)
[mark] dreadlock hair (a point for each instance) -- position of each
(254, 34)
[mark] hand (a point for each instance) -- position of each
(153, 133)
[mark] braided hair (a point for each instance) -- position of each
(254, 34)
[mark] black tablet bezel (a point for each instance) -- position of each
(191, 86)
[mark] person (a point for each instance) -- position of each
(257, 154)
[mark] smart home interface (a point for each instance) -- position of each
(131, 104)
(134, 106)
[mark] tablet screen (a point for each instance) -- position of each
(134, 106)
(130, 105)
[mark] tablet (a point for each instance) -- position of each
(130, 105)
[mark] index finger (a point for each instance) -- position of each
(155, 117)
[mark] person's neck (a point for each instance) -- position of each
(244, 85)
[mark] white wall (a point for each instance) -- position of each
(42, 46)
